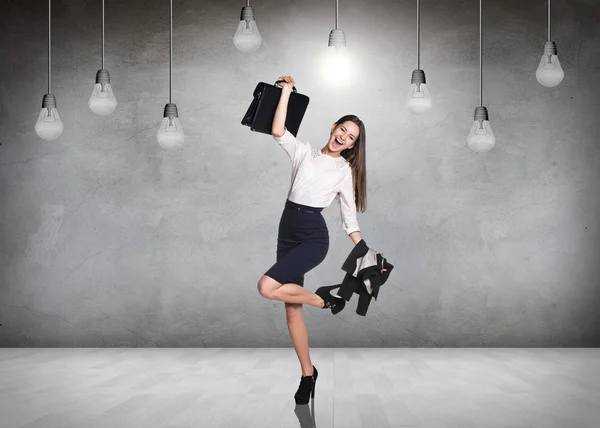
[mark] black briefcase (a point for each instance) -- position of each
(261, 112)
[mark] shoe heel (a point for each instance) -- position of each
(315, 376)
(335, 304)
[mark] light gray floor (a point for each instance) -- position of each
(227, 388)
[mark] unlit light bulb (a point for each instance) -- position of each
(49, 126)
(418, 101)
(102, 101)
(549, 72)
(481, 137)
(170, 135)
(247, 37)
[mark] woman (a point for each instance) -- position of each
(318, 176)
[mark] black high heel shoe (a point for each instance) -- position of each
(306, 390)
(315, 376)
(336, 304)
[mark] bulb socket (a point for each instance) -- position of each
(481, 113)
(550, 48)
(49, 101)
(170, 110)
(247, 14)
(102, 76)
(418, 76)
(337, 38)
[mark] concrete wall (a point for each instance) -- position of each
(109, 240)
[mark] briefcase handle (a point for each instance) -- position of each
(279, 86)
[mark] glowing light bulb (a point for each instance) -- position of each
(49, 126)
(170, 134)
(481, 137)
(336, 64)
(102, 101)
(247, 37)
(418, 101)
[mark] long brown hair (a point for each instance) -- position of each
(356, 156)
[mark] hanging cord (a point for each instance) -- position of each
(418, 36)
(170, 51)
(102, 34)
(49, 43)
(247, 3)
(336, 14)
(480, 60)
(549, 39)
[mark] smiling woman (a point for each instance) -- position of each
(348, 140)
(338, 169)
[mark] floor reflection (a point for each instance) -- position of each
(306, 414)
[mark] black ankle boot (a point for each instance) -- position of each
(336, 304)
(306, 390)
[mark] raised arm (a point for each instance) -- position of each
(278, 126)
(295, 148)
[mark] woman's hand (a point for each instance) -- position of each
(288, 82)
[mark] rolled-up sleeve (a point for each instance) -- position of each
(293, 147)
(348, 205)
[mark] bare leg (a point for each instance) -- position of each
(299, 336)
(288, 293)
(293, 293)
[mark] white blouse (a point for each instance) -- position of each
(318, 178)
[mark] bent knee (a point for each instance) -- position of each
(266, 286)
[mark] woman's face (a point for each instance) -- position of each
(343, 136)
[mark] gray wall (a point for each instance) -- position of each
(108, 240)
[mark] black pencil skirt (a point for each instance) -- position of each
(302, 243)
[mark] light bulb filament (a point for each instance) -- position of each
(49, 117)
(418, 92)
(171, 125)
(248, 30)
(481, 129)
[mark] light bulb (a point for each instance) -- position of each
(247, 38)
(549, 73)
(336, 63)
(102, 101)
(418, 101)
(481, 138)
(49, 126)
(336, 67)
(170, 135)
